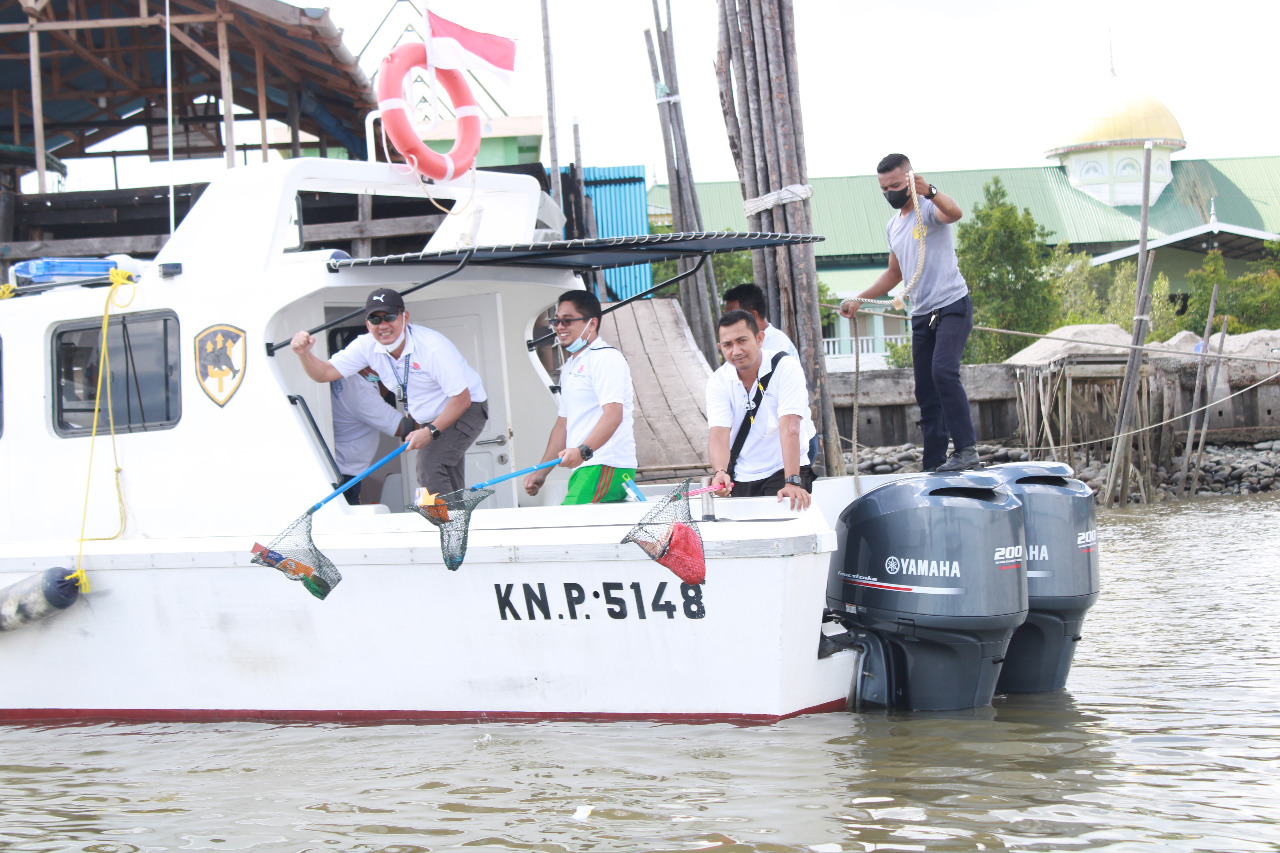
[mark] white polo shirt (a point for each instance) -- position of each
(428, 372)
(359, 414)
(727, 401)
(598, 374)
(775, 339)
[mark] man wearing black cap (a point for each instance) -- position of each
(430, 378)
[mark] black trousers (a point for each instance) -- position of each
(770, 485)
(937, 344)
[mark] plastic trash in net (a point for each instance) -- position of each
(294, 554)
(451, 514)
(668, 534)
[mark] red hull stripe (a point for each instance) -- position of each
(1010, 566)
(156, 715)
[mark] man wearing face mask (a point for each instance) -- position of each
(444, 400)
(593, 434)
(941, 312)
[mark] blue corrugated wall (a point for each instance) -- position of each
(620, 197)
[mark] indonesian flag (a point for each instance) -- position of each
(452, 46)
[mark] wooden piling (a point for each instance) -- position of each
(760, 96)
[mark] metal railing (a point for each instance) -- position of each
(866, 346)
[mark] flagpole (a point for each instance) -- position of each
(556, 192)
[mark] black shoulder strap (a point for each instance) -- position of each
(749, 418)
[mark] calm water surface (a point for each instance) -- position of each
(1167, 738)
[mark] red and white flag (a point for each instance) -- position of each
(453, 46)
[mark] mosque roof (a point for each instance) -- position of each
(1120, 114)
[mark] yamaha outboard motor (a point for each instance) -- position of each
(1062, 573)
(929, 578)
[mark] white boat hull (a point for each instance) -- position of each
(540, 622)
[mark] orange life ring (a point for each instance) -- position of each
(398, 65)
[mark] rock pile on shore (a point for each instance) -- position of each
(907, 458)
(1224, 470)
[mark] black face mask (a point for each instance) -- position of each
(897, 198)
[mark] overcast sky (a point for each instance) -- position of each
(954, 85)
(981, 84)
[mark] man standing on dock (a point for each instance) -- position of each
(758, 414)
(594, 433)
(438, 390)
(941, 311)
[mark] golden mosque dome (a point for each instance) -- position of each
(1122, 116)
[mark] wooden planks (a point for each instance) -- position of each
(669, 376)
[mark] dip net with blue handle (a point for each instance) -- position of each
(294, 554)
(669, 536)
(451, 514)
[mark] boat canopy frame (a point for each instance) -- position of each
(597, 253)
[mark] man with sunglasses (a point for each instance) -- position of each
(444, 400)
(593, 434)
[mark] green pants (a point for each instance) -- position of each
(598, 484)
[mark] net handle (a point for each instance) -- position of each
(513, 474)
(635, 490)
(365, 473)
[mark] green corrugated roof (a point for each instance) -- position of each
(851, 213)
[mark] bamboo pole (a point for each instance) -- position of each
(1068, 432)
(262, 100)
(37, 107)
(674, 181)
(702, 286)
(759, 91)
(228, 97)
(591, 277)
(1213, 384)
(1119, 451)
(295, 123)
(761, 119)
(1195, 395)
(557, 194)
(698, 294)
(744, 113)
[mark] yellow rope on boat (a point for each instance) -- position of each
(119, 278)
(7, 290)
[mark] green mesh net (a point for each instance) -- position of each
(451, 514)
(667, 533)
(294, 554)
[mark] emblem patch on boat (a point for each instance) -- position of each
(220, 359)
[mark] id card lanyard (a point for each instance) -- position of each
(402, 396)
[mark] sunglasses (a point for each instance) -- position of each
(564, 321)
(379, 319)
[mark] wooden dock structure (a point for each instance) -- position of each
(669, 375)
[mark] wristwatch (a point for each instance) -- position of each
(794, 480)
(586, 452)
(435, 433)
(931, 193)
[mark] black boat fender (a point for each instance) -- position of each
(37, 597)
